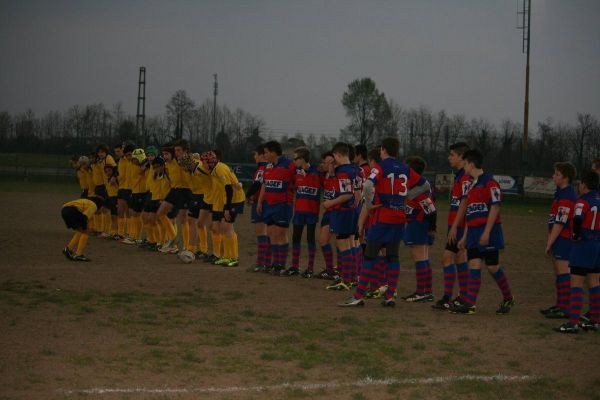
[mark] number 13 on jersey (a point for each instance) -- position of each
(398, 184)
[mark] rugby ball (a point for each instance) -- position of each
(186, 256)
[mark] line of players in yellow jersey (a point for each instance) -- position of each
(163, 200)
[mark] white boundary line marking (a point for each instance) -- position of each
(368, 381)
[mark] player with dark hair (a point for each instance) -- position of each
(454, 260)
(385, 191)
(343, 217)
(306, 211)
(327, 169)
(483, 236)
(263, 244)
(558, 245)
(585, 256)
(420, 229)
(124, 193)
(100, 181)
(275, 203)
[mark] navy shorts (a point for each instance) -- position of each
(496, 239)
(84, 194)
(585, 254)
(453, 247)
(561, 249)
(385, 233)
(326, 218)
(173, 213)
(277, 214)
(304, 218)
(179, 198)
(416, 233)
(343, 222)
(254, 217)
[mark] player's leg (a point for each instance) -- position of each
(492, 260)
(578, 275)
(392, 272)
(462, 270)
(182, 217)
(203, 221)
(467, 304)
(297, 229)
(562, 286)
(420, 255)
(169, 232)
(324, 241)
(312, 249)
(594, 292)
(367, 273)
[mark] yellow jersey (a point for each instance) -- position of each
(98, 175)
(180, 179)
(85, 206)
(84, 183)
(221, 176)
(238, 193)
(159, 186)
(112, 188)
(91, 186)
(137, 178)
(122, 168)
(201, 181)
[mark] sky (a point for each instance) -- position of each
(290, 61)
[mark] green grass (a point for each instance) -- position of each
(35, 160)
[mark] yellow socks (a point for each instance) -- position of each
(216, 241)
(74, 241)
(185, 232)
(203, 238)
(150, 233)
(83, 238)
(235, 249)
(106, 222)
(228, 247)
(121, 226)
(169, 230)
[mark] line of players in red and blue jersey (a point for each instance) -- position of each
(372, 204)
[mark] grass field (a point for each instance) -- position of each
(134, 324)
(35, 160)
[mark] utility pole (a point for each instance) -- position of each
(214, 119)
(140, 117)
(526, 28)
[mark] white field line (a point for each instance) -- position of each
(368, 381)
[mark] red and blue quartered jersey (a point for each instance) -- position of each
(259, 177)
(420, 206)
(460, 188)
(561, 210)
(345, 176)
(483, 194)
(279, 181)
(392, 181)
(308, 188)
(329, 185)
(587, 208)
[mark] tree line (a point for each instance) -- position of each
(371, 116)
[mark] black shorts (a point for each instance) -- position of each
(74, 219)
(124, 194)
(490, 257)
(173, 213)
(151, 206)
(581, 271)
(84, 194)
(453, 247)
(101, 192)
(217, 216)
(196, 204)
(179, 198)
(137, 201)
(111, 204)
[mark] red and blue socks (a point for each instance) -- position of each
(391, 272)
(473, 287)
(576, 304)
(312, 251)
(367, 275)
(502, 283)
(263, 252)
(463, 275)
(563, 291)
(296, 255)
(379, 277)
(328, 256)
(280, 253)
(423, 270)
(347, 266)
(449, 279)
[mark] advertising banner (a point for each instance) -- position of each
(508, 184)
(539, 186)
